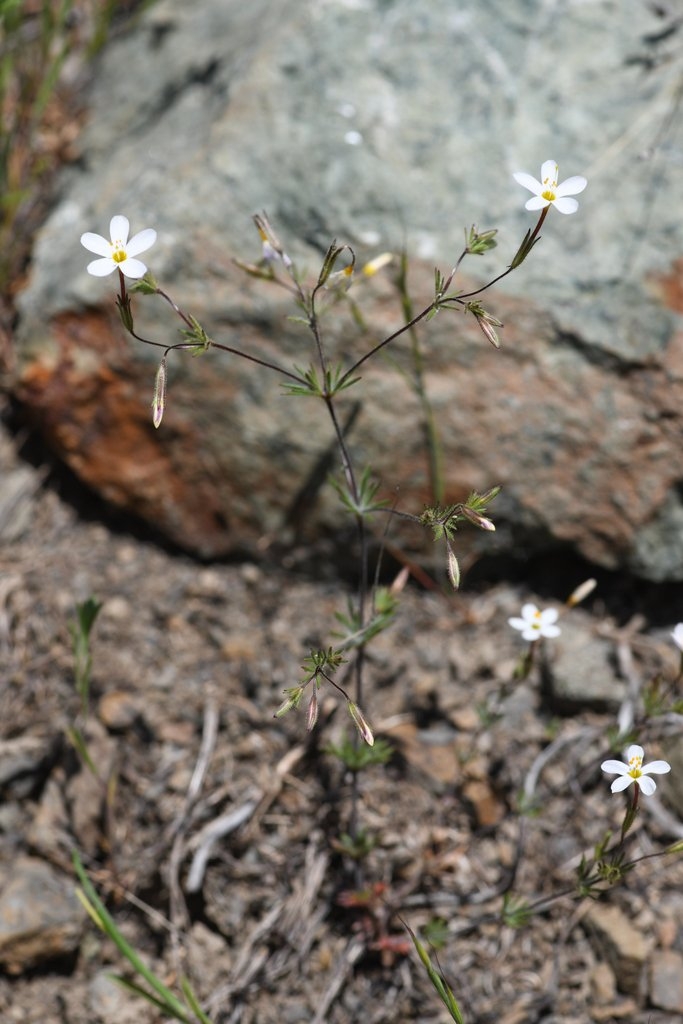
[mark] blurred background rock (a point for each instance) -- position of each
(382, 124)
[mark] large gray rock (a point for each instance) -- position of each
(378, 123)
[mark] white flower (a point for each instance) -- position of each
(634, 771)
(118, 253)
(535, 623)
(547, 192)
(678, 636)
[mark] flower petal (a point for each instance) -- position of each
(550, 631)
(648, 786)
(100, 268)
(563, 204)
(549, 170)
(538, 203)
(528, 181)
(119, 228)
(132, 268)
(143, 240)
(623, 783)
(572, 186)
(635, 751)
(517, 623)
(656, 768)
(549, 615)
(96, 243)
(678, 636)
(614, 767)
(529, 612)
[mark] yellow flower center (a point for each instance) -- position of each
(634, 765)
(549, 187)
(118, 254)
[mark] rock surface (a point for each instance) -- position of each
(377, 124)
(40, 917)
(623, 945)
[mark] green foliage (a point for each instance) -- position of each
(333, 381)
(80, 630)
(445, 992)
(356, 757)
(516, 912)
(366, 500)
(355, 847)
(444, 520)
(157, 994)
(354, 633)
(479, 242)
(436, 932)
(322, 660)
(144, 285)
(197, 341)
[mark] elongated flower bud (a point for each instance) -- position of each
(477, 519)
(362, 726)
(312, 711)
(581, 592)
(453, 568)
(159, 401)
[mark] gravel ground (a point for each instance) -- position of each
(189, 664)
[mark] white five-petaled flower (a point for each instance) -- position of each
(635, 771)
(117, 252)
(678, 636)
(535, 623)
(547, 192)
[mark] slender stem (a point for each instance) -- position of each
(184, 345)
(431, 433)
(381, 344)
(532, 239)
(352, 485)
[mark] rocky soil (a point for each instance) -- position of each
(189, 664)
(214, 832)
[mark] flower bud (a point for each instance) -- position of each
(362, 726)
(293, 699)
(312, 711)
(453, 568)
(477, 519)
(581, 592)
(159, 400)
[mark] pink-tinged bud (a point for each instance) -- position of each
(312, 712)
(489, 331)
(400, 581)
(477, 519)
(159, 401)
(581, 592)
(362, 726)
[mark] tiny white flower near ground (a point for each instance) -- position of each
(547, 192)
(678, 636)
(635, 771)
(535, 623)
(116, 252)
